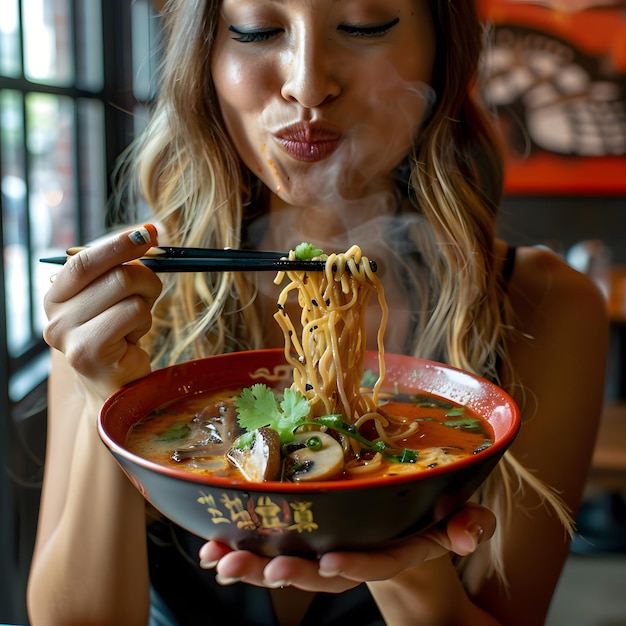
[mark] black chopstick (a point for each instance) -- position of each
(173, 252)
(225, 261)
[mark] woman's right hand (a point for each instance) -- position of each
(99, 307)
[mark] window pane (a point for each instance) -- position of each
(10, 57)
(89, 66)
(145, 21)
(13, 174)
(14, 220)
(50, 121)
(92, 168)
(48, 41)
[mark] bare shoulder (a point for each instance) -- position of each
(560, 321)
(545, 291)
(539, 272)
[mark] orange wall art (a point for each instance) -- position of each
(555, 76)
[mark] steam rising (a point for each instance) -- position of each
(389, 239)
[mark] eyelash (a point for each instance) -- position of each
(253, 36)
(368, 31)
(259, 36)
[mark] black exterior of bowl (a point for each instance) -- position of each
(271, 523)
(307, 520)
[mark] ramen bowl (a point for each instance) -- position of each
(305, 518)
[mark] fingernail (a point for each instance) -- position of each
(328, 574)
(143, 235)
(227, 581)
(208, 564)
(476, 533)
(276, 584)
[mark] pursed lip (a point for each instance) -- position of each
(309, 141)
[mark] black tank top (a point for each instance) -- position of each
(509, 264)
(183, 594)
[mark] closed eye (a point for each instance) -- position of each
(254, 36)
(368, 31)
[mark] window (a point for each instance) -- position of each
(51, 120)
(75, 76)
(68, 103)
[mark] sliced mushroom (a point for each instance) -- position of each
(313, 456)
(211, 433)
(262, 461)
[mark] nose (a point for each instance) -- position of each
(310, 76)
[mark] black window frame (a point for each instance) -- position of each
(22, 469)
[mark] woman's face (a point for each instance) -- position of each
(322, 98)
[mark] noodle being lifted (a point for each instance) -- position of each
(329, 356)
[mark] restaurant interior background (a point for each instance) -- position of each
(76, 80)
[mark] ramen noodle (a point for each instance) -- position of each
(329, 353)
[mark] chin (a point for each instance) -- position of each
(315, 191)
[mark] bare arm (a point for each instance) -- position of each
(561, 366)
(90, 563)
(90, 557)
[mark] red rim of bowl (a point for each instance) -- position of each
(503, 441)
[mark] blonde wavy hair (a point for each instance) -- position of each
(186, 169)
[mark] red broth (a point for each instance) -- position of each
(175, 435)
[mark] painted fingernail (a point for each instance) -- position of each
(140, 236)
(208, 564)
(227, 581)
(143, 235)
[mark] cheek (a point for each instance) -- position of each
(236, 84)
(240, 95)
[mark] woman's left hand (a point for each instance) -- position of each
(335, 572)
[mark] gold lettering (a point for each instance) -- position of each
(303, 517)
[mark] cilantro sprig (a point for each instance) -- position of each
(307, 251)
(257, 407)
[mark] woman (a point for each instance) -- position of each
(344, 122)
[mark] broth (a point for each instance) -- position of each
(195, 433)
